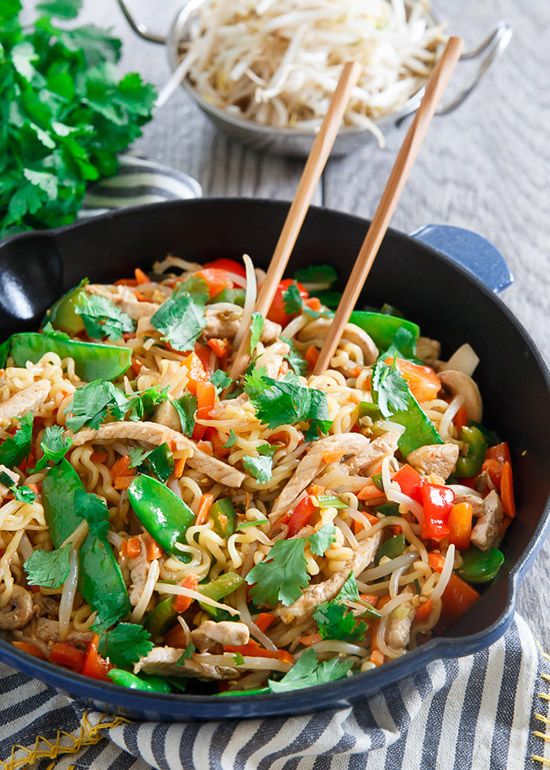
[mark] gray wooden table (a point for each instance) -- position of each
(486, 167)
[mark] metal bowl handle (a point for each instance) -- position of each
(141, 30)
(490, 49)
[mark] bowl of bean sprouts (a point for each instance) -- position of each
(264, 72)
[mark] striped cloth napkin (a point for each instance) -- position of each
(483, 712)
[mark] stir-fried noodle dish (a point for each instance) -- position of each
(168, 528)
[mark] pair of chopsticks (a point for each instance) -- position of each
(315, 165)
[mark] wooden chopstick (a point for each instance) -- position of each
(400, 173)
(314, 167)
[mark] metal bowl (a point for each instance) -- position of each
(292, 142)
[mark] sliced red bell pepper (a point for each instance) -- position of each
(499, 452)
(206, 398)
(217, 280)
(230, 265)
(410, 482)
(438, 503)
(95, 666)
(277, 312)
(254, 650)
(66, 654)
(301, 515)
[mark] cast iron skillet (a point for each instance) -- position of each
(447, 301)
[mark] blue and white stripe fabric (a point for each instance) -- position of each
(483, 712)
(137, 182)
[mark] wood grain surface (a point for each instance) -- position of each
(485, 167)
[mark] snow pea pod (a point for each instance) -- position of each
(163, 514)
(256, 691)
(133, 682)
(476, 447)
(387, 330)
(93, 361)
(223, 515)
(480, 566)
(100, 579)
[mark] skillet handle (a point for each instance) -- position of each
(470, 250)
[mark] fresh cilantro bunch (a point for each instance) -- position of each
(65, 114)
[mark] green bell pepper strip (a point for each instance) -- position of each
(218, 589)
(388, 509)
(133, 682)
(235, 693)
(476, 448)
(63, 315)
(235, 296)
(161, 619)
(223, 516)
(480, 566)
(392, 548)
(368, 409)
(163, 514)
(93, 361)
(100, 579)
(383, 328)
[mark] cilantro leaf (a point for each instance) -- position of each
(61, 9)
(15, 448)
(390, 388)
(321, 276)
(159, 462)
(281, 576)
(296, 362)
(22, 494)
(125, 644)
(180, 320)
(93, 402)
(321, 540)
(48, 569)
(196, 287)
(102, 318)
(254, 381)
(256, 329)
(140, 405)
(186, 407)
(292, 300)
(231, 439)
(186, 654)
(54, 445)
(259, 467)
(309, 671)
(349, 591)
(221, 380)
(266, 449)
(94, 510)
(335, 621)
(137, 455)
(286, 401)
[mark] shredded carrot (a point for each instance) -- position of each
(312, 356)
(182, 603)
(219, 346)
(140, 296)
(358, 526)
(436, 561)
(122, 482)
(153, 549)
(133, 547)
(126, 282)
(423, 611)
(30, 649)
(34, 488)
(264, 620)
(310, 639)
(371, 493)
(313, 303)
(383, 601)
(369, 598)
(99, 457)
(141, 277)
(121, 467)
(179, 467)
(507, 490)
(377, 658)
(204, 508)
(332, 457)
(206, 447)
(257, 651)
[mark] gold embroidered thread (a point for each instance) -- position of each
(543, 736)
(64, 743)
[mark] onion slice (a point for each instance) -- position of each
(249, 301)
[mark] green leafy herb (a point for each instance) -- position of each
(102, 318)
(309, 671)
(238, 659)
(266, 450)
(292, 300)
(180, 320)
(125, 644)
(259, 467)
(256, 329)
(282, 575)
(15, 448)
(221, 380)
(286, 401)
(196, 287)
(335, 621)
(187, 653)
(54, 445)
(319, 275)
(349, 591)
(66, 115)
(93, 402)
(137, 455)
(48, 569)
(186, 407)
(296, 362)
(159, 462)
(391, 389)
(22, 494)
(94, 510)
(231, 439)
(321, 540)
(141, 405)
